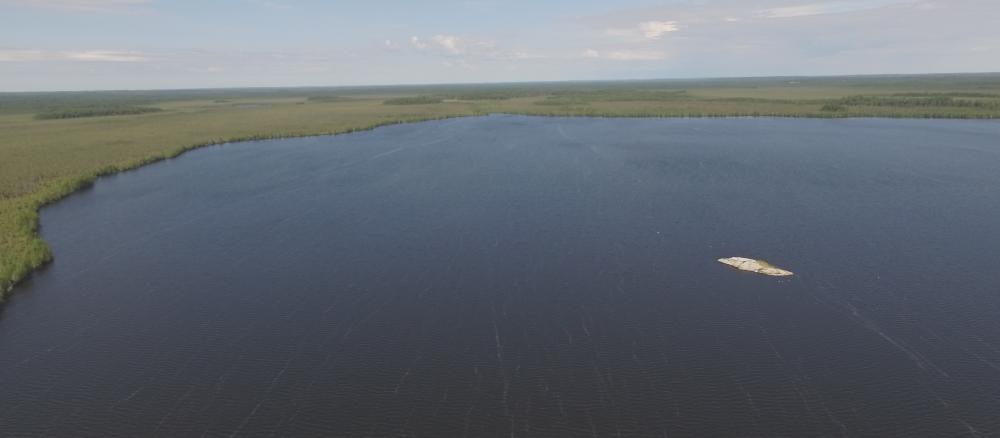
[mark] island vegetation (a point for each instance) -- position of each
(94, 111)
(52, 144)
(327, 98)
(415, 100)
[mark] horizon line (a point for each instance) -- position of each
(446, 84)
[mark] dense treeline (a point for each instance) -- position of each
(972, 85)
(956, 94)
(33, 102)
(94, 111)
(39, 164)
(490, 94)
(928, 101)
(415, 100)
(328, 98)
(577, 97)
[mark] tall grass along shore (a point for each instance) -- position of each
(53, 144)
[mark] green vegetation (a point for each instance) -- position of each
(94, 111)
(583, 97)
(493, 93)
(44, 159)
(940, 101)
(416, 100)
(833, 107)
(959, 94)
(328, 98)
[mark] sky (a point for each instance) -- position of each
(164, 44)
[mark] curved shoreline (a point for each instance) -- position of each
(38, 254)
(28, 206)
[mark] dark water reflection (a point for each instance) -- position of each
(511, 276)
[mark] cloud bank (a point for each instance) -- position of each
(71, 55)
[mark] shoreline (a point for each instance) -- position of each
(30, 204)
(68, 186)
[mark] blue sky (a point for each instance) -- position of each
(146, 44)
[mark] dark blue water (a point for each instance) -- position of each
(512, 276)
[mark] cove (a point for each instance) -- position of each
(509, 275)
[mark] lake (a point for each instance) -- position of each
(518, 276)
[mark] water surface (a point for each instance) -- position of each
(514, 276)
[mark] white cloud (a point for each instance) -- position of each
(417, 43)
(468, 49)
(641, 40)
(669, 38)
(391, 46)
(644, 31)
(452, 45)
(105, 56)
(79, 5)
(16, 55)
(653, 30)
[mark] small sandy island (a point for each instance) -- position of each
(758, 266)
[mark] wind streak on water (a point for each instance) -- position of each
(512, 276)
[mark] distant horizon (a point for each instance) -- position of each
(503, 83)
(77, 45)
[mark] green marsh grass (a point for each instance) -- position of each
(416, 100)
(94, 111)
(44, 160)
